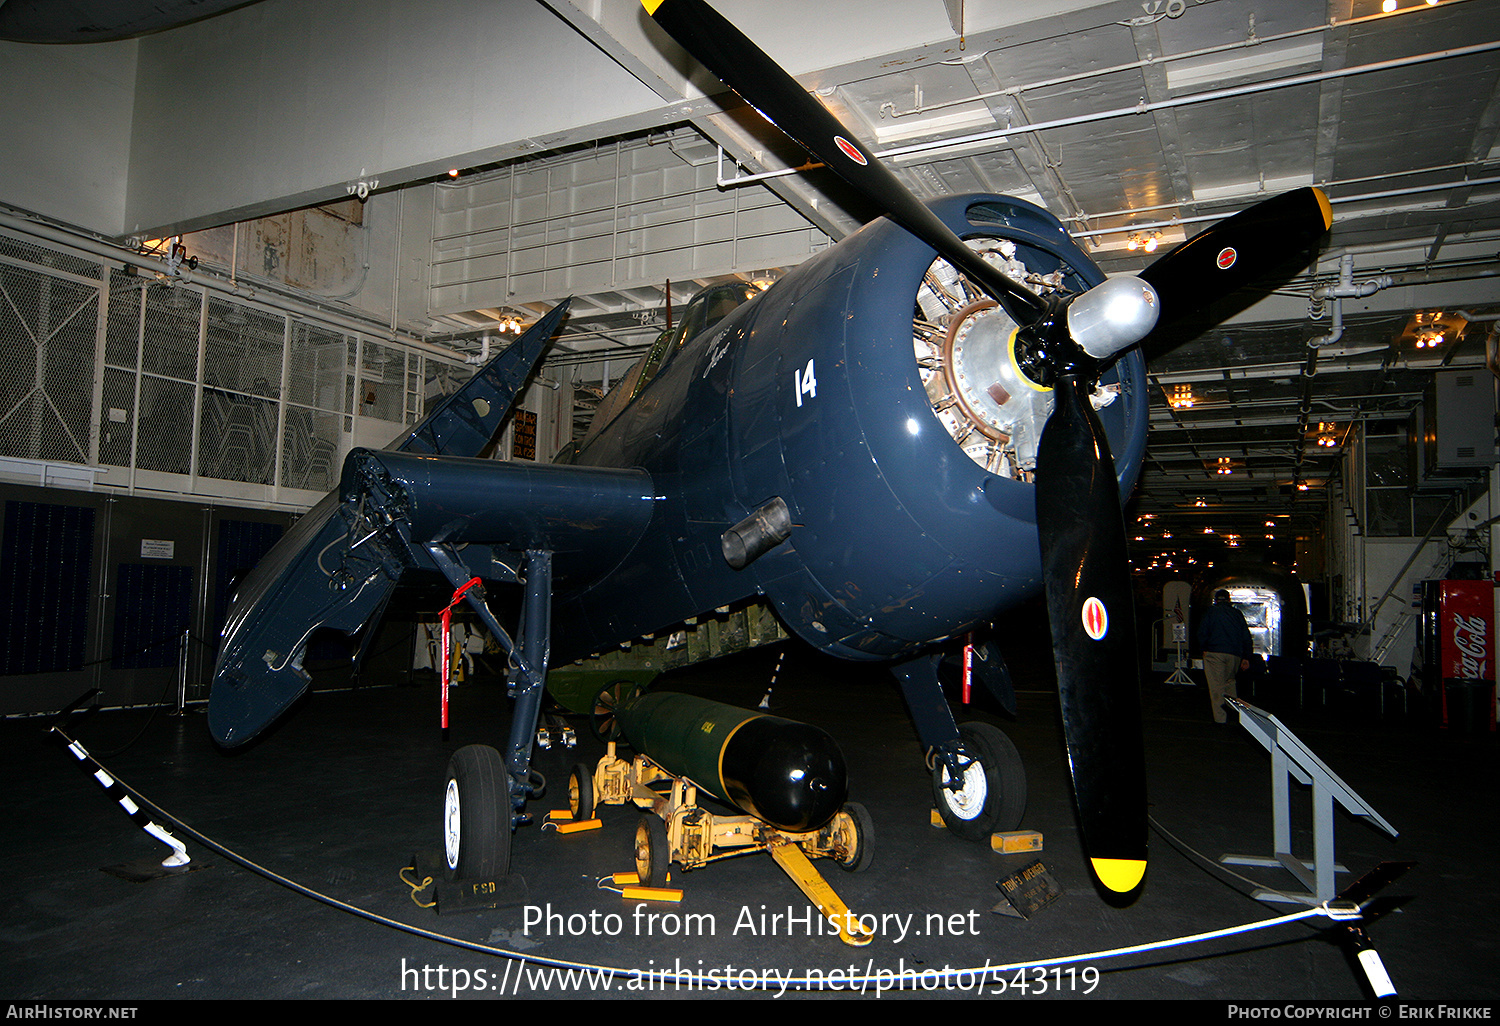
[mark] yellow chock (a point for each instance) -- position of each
(559, 814)
(579, 826)
(937, 819)
(651, 894)
(626, 878)
(1016, 842)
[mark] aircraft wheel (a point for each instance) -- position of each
(476, 815)
(993, 795)
(611, 697)
(581, 792)
(652, 852)
(858, 835)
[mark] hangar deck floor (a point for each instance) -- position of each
(342, 792)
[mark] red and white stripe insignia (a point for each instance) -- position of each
(1095, 618)
(1227, 257)
(850, 150)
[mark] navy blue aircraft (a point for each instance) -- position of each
(905, 436)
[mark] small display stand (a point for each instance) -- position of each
(1291, 758)
(1179, 673)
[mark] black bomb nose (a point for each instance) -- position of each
(787, 773)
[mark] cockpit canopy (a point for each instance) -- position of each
(704, 311)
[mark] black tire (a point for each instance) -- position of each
(860, 843)
(652, 852)
(476, 815)
(581, 792)
(993, 797)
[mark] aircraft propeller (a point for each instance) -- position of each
(1062, 343)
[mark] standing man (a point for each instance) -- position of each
(1225, 639)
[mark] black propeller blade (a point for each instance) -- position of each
(1220, 260)
(744, 67)
(1091, 610)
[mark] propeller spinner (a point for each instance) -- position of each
(1061, 343)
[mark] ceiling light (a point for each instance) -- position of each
(1153, 242)
(1388, 6)
(1261, 61)
(1181, 397)
(975, 119)
(1241, 191)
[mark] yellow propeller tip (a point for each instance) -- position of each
(1322, 202)
(1119, 875)
(651, 6)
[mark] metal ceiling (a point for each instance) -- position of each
(1128, 120)
(1145, 121)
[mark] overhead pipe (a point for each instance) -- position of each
(1194, 98)
(1347, 288)
(1176, 222)
(484, 351)
(1147, 62)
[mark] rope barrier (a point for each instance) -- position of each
(1338, 912)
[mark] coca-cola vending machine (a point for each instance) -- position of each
(1458, 652)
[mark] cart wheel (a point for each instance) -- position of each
(856, 837)
(652, 853)
(611, 697)
(476, 815)
(581, 792)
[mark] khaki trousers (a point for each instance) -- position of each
(1220, 669)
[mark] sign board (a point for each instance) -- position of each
(523, 438)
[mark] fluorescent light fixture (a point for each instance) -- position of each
(1248, 190)
(928, 154)
(939, 124)
(1254, 61)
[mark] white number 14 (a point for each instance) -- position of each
(806, 382)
